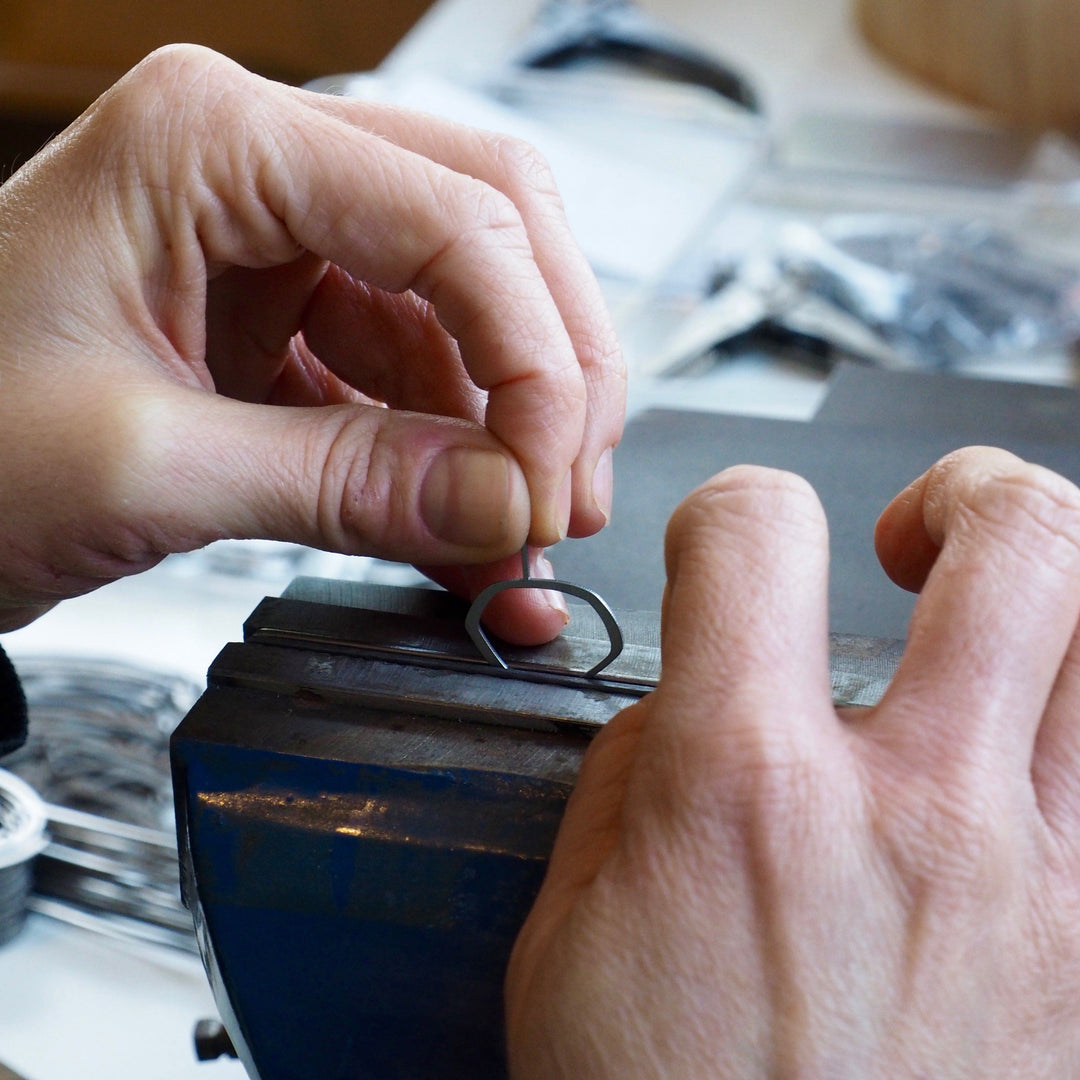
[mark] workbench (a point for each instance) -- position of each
(76, 1005)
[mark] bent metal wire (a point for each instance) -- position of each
(594, 600)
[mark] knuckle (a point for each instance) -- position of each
(347, 484)
(155, 107)
(954, 833)
(369, 489)
(520, 164)
(745, 493)
(730, 753)
(171, 61)
(751, 788)
(755, 489)
(168, 75)
(477, 207)
(477, 227)
(1030, 506)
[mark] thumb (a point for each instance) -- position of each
(356, 479)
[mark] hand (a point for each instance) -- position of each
(203, 244)
(748, 884)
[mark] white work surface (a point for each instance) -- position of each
(73, 1005)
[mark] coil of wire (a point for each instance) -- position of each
(22, 837)
(98, 753)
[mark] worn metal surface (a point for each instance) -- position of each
(365, 811)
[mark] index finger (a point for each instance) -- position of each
(998, 542)
(463, 246)
(745, 632)
(302, 178)
(519, 172)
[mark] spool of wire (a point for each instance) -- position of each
(98, 754)
(22, 837)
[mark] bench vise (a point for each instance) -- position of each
(365, 809)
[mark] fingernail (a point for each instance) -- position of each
(603, 484)
(466, 497)
(563, 504)
(541, 569)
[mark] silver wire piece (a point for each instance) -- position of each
(594, 600)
